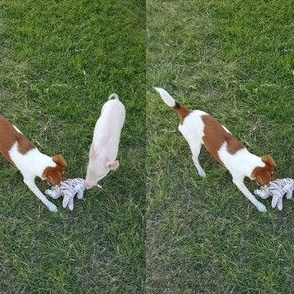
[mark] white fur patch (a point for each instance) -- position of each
(193, 127)
(241, 163)
(32, 162)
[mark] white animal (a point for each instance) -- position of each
(277, 189)
(199, 128)
(104, 147)
(22, 153)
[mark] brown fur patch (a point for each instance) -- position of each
(58, 159)
(263, 175)
(181, 111)
(24, 145)
(9, 135)
(54, 175)
(267, 159)
(215, 135)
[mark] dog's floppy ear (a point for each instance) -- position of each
(58, 159)
(52, 175)
(262, 175)
(267, 159)
(48, 175)
(112, 165)
(257, 175)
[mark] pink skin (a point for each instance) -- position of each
(105, 143)
(98, 168)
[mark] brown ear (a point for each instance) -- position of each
(58, 159)
(262, 175)
(267, 159)
(255, 175)
(52, 175)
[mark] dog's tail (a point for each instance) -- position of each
(170, 101)
(113, 96)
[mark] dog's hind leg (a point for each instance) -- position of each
(195, 149)
(193, 137)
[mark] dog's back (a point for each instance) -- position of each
(9, 134)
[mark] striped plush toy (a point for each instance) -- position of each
(277, 189)
(68, 190)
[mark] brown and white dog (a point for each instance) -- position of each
(18, 150)
(199, 128)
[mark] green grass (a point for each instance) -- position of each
(235, 61)
(59, 62)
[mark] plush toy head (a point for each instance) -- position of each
(262, 193)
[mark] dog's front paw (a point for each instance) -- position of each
(201, 173)
(261, 207)
(52, 207)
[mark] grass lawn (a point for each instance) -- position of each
(60, 60)
(234, 60)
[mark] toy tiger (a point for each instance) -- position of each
(277, 189)
(68, 189)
